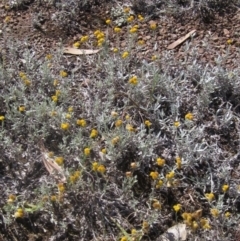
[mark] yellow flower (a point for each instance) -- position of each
(68, 116)
(141, 42)
(133, 80)
(154, 57)
(227, 214)
(127, 117)
(140, 18)
(53, 198)
(19, 213)
(61, 187)
(126, 10)
(104, 151)
(49, 57)
(156, 204)
(95, 166)
(115, 140)
(204, 223)
(76, 44)
(57, 92)
(108, 21)
(153, 26)
(189, 116)
(209, 196)
(59, 160)
(147, 123)
(177, 207)
(84, 39)
(87, 151)
(65, 126)
(125, 54)
(93, 133)
(178, 162)
(101, 41)
(100, 35)
(160, 161)
(145, 226)
(129, 127)
(133, 30)
(63, 73)
(229, 41)
(114, 114)
(27, 82)
(11, 198)
(225, 188)
(21, 108)
(55, 82)
(117, 30)
(118, 123)
(194, 225)
(214, 212)
(50, 154)
(115, 50)
(130, 18)
(170, 175)
(70, 109)
(176, 123)
(154, 175)
(2, 118)
(97, 32)
(101, 169)
(81, 122)
(159, 184)
(124, 238)
(187, 218)
(22, 75)
(7, 19)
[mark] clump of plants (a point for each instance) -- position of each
(123, 152)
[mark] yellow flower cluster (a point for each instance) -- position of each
(177, 207)
(19, 213)
(81, 122)
(130, 18)
(65, 126)
(2, 117)
(225, 188)
(118, 123)
(87, 151)
(209, 196)
(147, 123)
(63, 73)
(21, 108)
(100, 37)
(129, 127)
(133, 80)
(178, 162)
(191, 218)
(59, 160)
(61, 187)
(160, 161)
(117, 30)
(140, 18)
(94, 133)
(189, 116)
(75, 176)
(125, 54)
(156, 204)
(170, 175)
(98, 167)
(25, 79)
(154, 175)
(11, 198)
(115, 140)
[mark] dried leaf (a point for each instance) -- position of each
(74, 51)
(176, 232)
(181, 40)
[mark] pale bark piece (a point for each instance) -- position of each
(177, 232)
(74, 51)
(181, 40)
